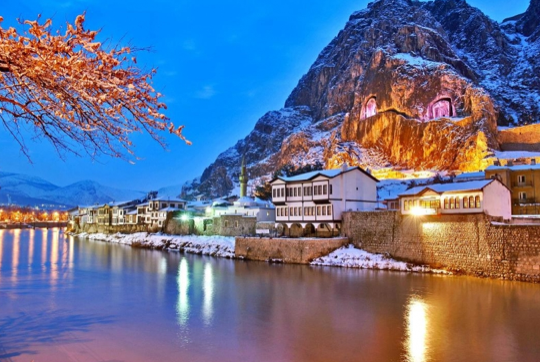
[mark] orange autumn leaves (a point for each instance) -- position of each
(70, 90)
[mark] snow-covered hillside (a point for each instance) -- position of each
(28, 190)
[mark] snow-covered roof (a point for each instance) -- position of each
(168, 199)
(326, 173)
(469, 175)
(514, 168)
(449, 187)
(132, 212)
(516, 154)
(167, 209)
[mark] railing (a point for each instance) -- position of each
(523, 184)
(529, 200)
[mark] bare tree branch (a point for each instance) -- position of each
(75, 93)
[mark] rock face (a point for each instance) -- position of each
(419, 85)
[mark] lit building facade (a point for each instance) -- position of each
(316, 200)
(524, 184)
(490, 197)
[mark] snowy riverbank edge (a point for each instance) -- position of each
(218, 246)
(350, 257)
(223, 247)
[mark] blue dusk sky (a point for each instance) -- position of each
(221, 66)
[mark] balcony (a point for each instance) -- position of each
(529, 200)
(523, 184)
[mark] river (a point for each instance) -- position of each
(68, 299)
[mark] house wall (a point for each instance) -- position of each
(466, 243)
(497, 200)
(234, 225)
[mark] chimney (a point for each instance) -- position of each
(344, 167)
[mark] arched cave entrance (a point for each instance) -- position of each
(370, 109)
(441, 108)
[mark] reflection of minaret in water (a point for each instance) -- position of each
(243, 178)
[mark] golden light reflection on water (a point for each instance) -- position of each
(16, 251)
(208, 290)
(31, 241)
(182, 307)
(417, 330)
(54, 256)
(44, 236)
(1, 246)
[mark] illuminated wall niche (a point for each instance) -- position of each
(441, 108)
(370, 109)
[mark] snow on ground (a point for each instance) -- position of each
(223, 247)
(350, 257)
(219, 246)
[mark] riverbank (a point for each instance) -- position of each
(350, 257)
(33, 225)
(223, 247)
(218, 246)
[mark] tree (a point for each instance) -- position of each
(73, 92)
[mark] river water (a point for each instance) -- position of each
(65, 299)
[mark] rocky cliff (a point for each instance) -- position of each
(419, 85)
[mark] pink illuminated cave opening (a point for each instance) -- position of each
(371, 108)
(441, 108)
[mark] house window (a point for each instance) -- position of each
(329, 209)
(324, 210)
(477, 202)
(456, 200)
(521, 179)
(318, 210)
(274, 193)
(465, 202)
(446, 203)
(319, 189)
(236, 224)
(330, 189)
(522, 196)
(325, 190)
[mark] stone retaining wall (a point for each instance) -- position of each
(471, 244)
(286, 250)
(526, 138)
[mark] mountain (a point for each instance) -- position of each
(408, 84)
(28, 190)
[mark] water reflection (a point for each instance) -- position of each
(208, 289)
(417, 330)
(182, 307)
(15, 257)
(194, 308)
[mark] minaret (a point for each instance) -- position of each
(243, 179)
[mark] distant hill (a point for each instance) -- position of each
(26, 190)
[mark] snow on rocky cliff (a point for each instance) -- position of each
(419, 85)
